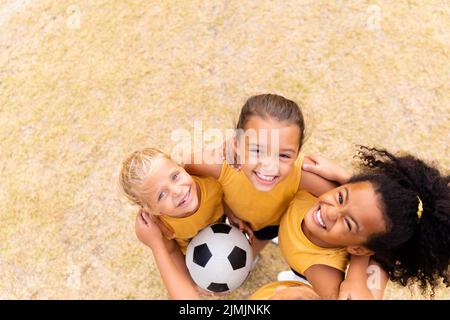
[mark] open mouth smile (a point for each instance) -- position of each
(318, 219)
(185, 199)
(265, 179)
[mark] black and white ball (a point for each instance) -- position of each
(219, 258)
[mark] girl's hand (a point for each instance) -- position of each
(229, 153)
(345, 291)
(356, 284)
(325, 168)
(207, 293)
(245, 228)
(354, 291)
(150, 230)
(238, 223)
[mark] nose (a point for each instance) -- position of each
(333, 214)
(270, 164)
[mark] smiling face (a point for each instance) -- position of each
(268, 151)
(345, 217)
(170, 190)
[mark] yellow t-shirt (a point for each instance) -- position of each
(298, 251)
(259, 209)
(267, 291)
(209, 211)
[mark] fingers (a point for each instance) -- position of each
(248, 231)
(251, 238)
(140, 226)
(144, 220)
(145, 216)
(140, 221)
(313, 158)
(207, 293)
(242, 226)
(150, 219)
(230, 154)
(311, 167)
(234, 221)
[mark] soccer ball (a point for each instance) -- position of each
(219, 258)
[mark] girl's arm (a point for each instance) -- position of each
(238, 223)
(173, 270)
(365, 280)
(325, 280)
(205, 163)
(377, 280)
(320, 175)
(326, 169)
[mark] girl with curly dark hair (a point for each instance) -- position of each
(397, 210)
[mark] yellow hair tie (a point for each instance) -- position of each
(420, 209)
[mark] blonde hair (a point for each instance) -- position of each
(135, 169)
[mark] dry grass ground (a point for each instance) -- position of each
(83, 83)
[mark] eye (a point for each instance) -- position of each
(175, 176)
(285, 156)
(349, 225)
(161, 196)
(340, 198)
(255, 151)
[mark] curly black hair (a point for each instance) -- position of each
(411, 249)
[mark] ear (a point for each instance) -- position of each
(359, 251)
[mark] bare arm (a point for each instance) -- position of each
(325, 280)
(178, 258)
(205, 163)
(365, 280)
(173, 270)
(235, 221)
(325, 168)
(175, 275)
(315, 184)
(377, 287)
